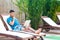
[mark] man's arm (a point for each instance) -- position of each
(10, 21)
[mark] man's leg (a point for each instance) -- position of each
(38, 31)
(31, 29)
(35, 31)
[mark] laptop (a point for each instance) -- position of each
(27, 23)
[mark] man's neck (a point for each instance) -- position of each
(11, 16)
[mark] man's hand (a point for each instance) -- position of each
(12, 22)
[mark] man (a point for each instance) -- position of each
(16, 26)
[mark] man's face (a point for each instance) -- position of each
(12, 14)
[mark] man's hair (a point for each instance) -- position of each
(11, 11)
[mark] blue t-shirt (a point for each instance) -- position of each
(15, 25)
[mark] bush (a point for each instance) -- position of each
(50, 9)
(35, 8)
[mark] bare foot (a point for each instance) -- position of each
(38, 31)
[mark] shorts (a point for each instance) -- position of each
(18, 28)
